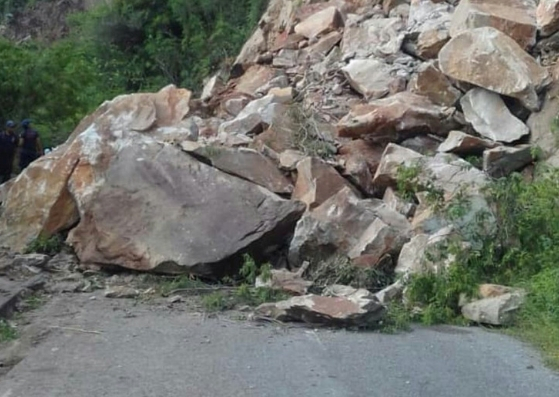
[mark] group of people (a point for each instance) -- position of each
(28, 142)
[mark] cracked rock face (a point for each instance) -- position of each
(141, 203)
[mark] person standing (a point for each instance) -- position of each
(8, 146)
(30, 142)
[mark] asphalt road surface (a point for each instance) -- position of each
(115, 348)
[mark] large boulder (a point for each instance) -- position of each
(547, 15)
(317, 181)
(396, 117)
(459, 142)
(363, 230)
(248, 164)
(143, 204)
(341, 306)
(490, 117)
(374, 78)
(501, 161)
(515, 18)
(377, 36)
(497, 310)
(433, 84)
(321, 22)
(492, 60)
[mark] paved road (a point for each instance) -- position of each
(156, 352)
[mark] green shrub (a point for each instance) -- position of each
(46, 245)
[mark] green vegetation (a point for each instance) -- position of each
(46, 245)
(308, 136)
(523, 252)
(7, 332)
(340, 270)
(127, 46)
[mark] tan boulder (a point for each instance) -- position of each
(378, 37)
(499, 310)
(316, 52)
(547, 15)
(396, 117)
(143, 204)
(289, 159)
(490, 117)
(345, 306)
(321, 22)
(360, 148)
(394, 157)
(433, 84)
(503, 160)
(374, 78)
(490, 59)
(254, 78)
(426, 254)
(212, 87)
(459, 142)
(428, 15)
(515, 18)
(363, 230)
(430, 42)
(316, 182)
(248, 164)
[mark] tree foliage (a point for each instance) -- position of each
(122, 47)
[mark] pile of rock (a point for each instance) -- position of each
(304, 148)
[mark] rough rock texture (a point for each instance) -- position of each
(540, 125)
(490, 117)
(173, 202)
(426, 253)
(362, 149)
(498, 310)
(492, 60)
(372, 78)
(461, 143)
(398, 116)
(547, 15)
(502, 161)
(378, 37)
(247, 164)
(515, 18)
(398, 204)
(316, 182)
(430, 42)
(364, 230)
(345, 306)
(322, 22)
(433, 84)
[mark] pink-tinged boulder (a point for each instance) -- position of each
(316, 182)
(378, 37)
(364, 230)
(343, 306)
(362, 149)
(503, 160)
(254, 78)
(515, 18)
(459, 142)
(322, 22)
(490, 117)
(374, 78)
(396, 117)
(139, 203)
(547, 15)
(248, 164)
(498, 310)
(430, 82)
(492, 60)
(430, 42)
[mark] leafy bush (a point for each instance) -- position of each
(46, 245)
(524, 252)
